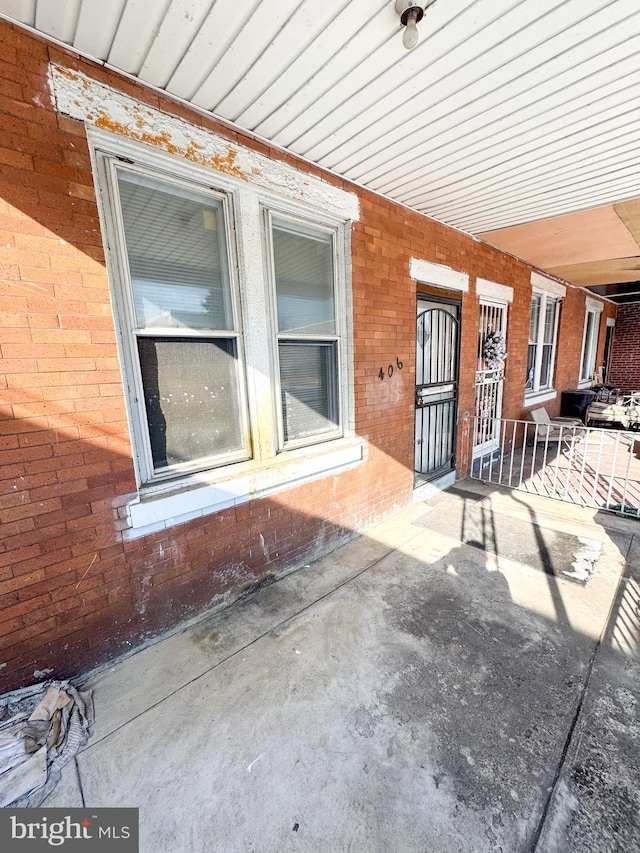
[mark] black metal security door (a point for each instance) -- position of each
(437, 342)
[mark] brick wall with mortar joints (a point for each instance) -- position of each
(73, 591)
(624, 359)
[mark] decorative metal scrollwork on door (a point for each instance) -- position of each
(436, 390)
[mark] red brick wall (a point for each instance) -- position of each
(624, 360)
(73, 590)
(570, 335)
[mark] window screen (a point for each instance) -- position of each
(304, 283)
(534, 321)
(308, 387)
(307, 341)
(186, 343)
(548, 342)
(175, 248)
(191, 398)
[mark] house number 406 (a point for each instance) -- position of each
(390, 369)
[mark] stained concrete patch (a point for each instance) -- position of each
(465, 518)
(154, 673)
(415, 708)
(596, 803)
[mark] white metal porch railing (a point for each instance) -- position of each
(591, 467)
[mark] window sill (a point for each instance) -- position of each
(584, 383)
(194, 498)
(540, 397)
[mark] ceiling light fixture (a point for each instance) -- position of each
(410, 13)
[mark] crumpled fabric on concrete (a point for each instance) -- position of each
(41, 728)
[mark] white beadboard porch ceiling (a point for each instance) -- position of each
(507, 111)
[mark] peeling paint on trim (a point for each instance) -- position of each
(81, 97)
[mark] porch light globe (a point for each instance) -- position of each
(410, 35)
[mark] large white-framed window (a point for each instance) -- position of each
(232, 305)
(593, 309)
(546, 299)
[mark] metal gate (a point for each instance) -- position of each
(489, 382)
(437, 336)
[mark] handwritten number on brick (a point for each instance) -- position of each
(390, 369)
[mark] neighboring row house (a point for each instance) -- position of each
(208, 359)
(623, 363)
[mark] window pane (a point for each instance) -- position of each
(534, 319)
(589, 355)
(545, 369)
(191, 398)
(531, 362)
(549, 320)
(176, 252)
(304, 282)
(309, 389)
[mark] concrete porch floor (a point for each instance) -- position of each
(405, 693)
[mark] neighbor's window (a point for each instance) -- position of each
(543, 330)
(307, 339)
(193, 373)
(589, 346)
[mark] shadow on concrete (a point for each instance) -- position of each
(406, 692)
